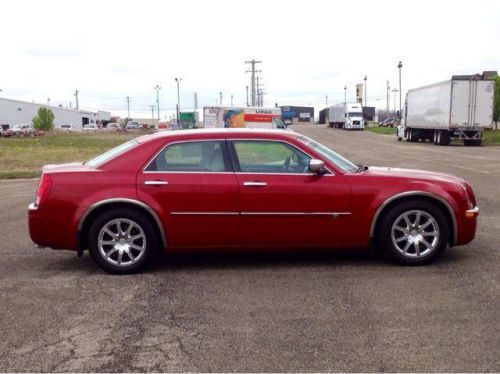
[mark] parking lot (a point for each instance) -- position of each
(335, 311)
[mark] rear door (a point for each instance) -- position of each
(197, 192)
(282, 203)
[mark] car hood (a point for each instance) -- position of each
(413, 174)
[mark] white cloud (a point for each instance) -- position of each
(113, 49)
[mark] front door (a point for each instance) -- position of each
(197, 193)
(282, 203)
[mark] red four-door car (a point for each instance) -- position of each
(243, 188)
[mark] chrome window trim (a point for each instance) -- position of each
(184, 172)
(415, 193)
(150, 210)
(278, 141)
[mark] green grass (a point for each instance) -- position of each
(491, 137)
(382, 130)
(24, 157)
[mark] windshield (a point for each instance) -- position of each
(334, 157)
(105, 157)
(355, 114)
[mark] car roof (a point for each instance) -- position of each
(218, 132)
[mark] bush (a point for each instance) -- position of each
(44, 120)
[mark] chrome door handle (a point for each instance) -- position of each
(255, 184)
(155, 183)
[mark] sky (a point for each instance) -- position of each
(108, 50)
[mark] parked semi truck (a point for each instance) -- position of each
(234, 117)
(460, 108)
(348, 116)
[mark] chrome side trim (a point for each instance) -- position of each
(333, 214)
(129, 201)
(205, 213)
(415, 193)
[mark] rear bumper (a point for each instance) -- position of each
(50, 229)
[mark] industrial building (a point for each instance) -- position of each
(293, 115)
(15, 112)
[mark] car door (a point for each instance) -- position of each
(197, 192)
(282, 203)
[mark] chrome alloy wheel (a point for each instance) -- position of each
(121, 242)
(415, 234)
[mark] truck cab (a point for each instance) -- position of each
(354, 117)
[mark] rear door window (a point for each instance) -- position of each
(202, 156)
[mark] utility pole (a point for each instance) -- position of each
(195, 101)
(253, 62)
(231, 99)
(158, 88)
(388, 92)
(247, 98)
(345, 96)
(48, 101)
(178, 80)
(76, 98)
(152, 114)
(128, 106)
(220, 98)
(260, 92)
(366, 103)
(326, 100)
(400, 65)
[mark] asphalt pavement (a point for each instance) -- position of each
(335, 311)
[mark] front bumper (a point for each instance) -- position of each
(467, 226)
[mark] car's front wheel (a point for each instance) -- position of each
(414, 233)
(121, 241)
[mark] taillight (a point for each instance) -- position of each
(43, 191)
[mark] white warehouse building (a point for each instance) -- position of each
(15, 112)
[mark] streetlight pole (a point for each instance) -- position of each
(178, 80)
(158, 88)
(366, 78)
(400, 65)
(345, 95)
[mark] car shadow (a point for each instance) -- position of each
(180, 262)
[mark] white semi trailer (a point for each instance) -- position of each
(460, 108)
(348, 116)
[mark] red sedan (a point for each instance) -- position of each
(244, 188)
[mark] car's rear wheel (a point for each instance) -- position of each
(414, 233)
(121, 241)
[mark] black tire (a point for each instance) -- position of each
(412, 136)
(435, 137)
(473, 142)
(385, 233)
(151, 242)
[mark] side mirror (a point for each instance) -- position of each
(317, 166)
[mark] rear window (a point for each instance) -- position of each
(112, 153)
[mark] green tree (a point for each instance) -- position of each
(44, 120)
(496, 102)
